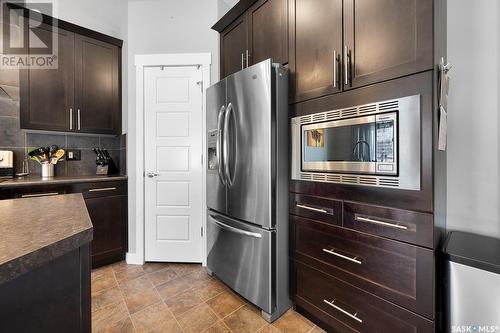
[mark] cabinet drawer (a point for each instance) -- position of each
(346, 308)
(403, 225)
(101, 189)
(321, 209)
(397, 272)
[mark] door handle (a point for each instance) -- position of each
(218, 145)
(39, 195)
(236, 230)
(354, 260)
(226, 155)
(314, 209)
(104, 189)
(242, 60)
(347, 62)
(386, 224)
(335, 68)
(152, 174)
(79, 120)
(353, 316)
(71, 119)
(248, 56)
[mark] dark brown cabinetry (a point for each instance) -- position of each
(97, 87)
(316, 33)
(83, 94)
(47, 94)
(261, 32)
(386, 39)
(107, 204)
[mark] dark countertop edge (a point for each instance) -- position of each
(233, 14)
(16, 267)
(38, 181)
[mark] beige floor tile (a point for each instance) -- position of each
(103, 298)
(292, 322)
(102, 272)
(183, 269)
(155, 318)
(197, 276)
(162, 276)
(107, 317)
(183, 302)
(245, 320)
(128, 273)
(209, 289)
(103, 282)
(136, 286)
(225, 303)
(219, 327)
(123, 326)
(151, 267)
(197, 319)
(141, 300)
(269, 329)
(172, 288)
(317, 329)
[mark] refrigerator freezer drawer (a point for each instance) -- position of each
(240, 255)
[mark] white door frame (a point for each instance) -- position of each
(204, 60)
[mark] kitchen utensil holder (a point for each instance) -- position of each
(47, 170)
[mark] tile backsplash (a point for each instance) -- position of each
(12, 137)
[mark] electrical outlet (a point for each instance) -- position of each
(73, 155)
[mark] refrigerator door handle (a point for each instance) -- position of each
(226, 155)
(236, 230)
(218, 147)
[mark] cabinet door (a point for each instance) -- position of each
(109, 218)
(386, 39)
(233, 47)
(47, 94)
(318, 41)
(97, 86)
(268, 31)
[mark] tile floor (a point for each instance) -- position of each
(176, 298)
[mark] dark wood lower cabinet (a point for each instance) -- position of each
(54, 297)
(340, 307)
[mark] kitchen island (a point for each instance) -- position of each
(45, 264)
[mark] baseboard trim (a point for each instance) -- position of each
(134, 259)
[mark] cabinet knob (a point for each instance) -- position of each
(152, 174)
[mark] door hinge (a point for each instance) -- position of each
(200, 83)
(201, 231)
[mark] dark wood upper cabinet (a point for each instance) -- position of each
(83, 93)
(47, 94)
(386, 39)
(268, 31)
(317, 41)
(97, 88)
(233, 47)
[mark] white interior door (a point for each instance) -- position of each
(173, 164)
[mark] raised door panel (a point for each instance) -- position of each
(398, 272)
(386, 39)
(316, 69)
(233, 44)
(97, 87)
(47, 93)
(341, 307)
(268, 31)
(108, 216)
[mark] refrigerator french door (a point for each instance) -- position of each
(247, 185)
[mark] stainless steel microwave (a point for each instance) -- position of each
(375, 144)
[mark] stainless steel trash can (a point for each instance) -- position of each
(472, 282)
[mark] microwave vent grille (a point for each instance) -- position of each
(318, 117)
(367, 108)
(305, 119)
(349, 112)
(350, 179)
(332, 115)
(389, 106)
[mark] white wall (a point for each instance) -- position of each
(473, 156)
(165, 26)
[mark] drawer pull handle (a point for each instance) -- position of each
(321, 210)
(102, 189)
(386, 224)
(39, 195)
(355, 259)
(353, 316)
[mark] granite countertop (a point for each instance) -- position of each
(37, 230)
(36, 180)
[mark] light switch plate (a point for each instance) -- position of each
(73, 155)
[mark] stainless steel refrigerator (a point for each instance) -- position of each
(247, 185)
